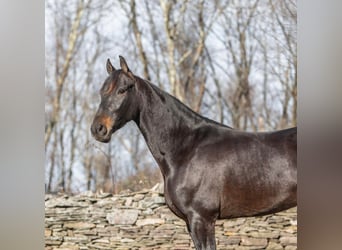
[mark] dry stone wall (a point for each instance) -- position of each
(142, 221)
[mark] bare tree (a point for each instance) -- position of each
(234, 61)
(62, 70)
(239, 30)
(71, 24)
(284, 13)
(138, 39)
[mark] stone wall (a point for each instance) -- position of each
(142, 221)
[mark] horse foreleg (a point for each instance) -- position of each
(202, 232)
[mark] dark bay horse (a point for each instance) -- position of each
(210, 170)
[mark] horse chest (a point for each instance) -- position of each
(171, 202)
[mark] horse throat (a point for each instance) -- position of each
(166, 125)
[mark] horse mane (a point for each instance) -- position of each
(163, 95)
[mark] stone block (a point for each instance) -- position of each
(255, 242)
(149, 221)
(122, 216)
(288, 240)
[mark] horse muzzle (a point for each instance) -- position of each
(101, 129)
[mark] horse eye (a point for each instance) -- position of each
(121, 91)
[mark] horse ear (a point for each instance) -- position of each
(125, 68)
(109, 66)
(123, 65)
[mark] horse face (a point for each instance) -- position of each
(117, 105)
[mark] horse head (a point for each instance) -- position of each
(118, 102)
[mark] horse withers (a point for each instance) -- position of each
(210, 170)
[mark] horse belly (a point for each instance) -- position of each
(259, 181)
(244, 201)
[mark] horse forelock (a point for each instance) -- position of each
(111, 82)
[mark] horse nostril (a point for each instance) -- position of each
(101, 130)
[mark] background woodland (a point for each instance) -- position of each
(232, 61)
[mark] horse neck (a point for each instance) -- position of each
(164, 122)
